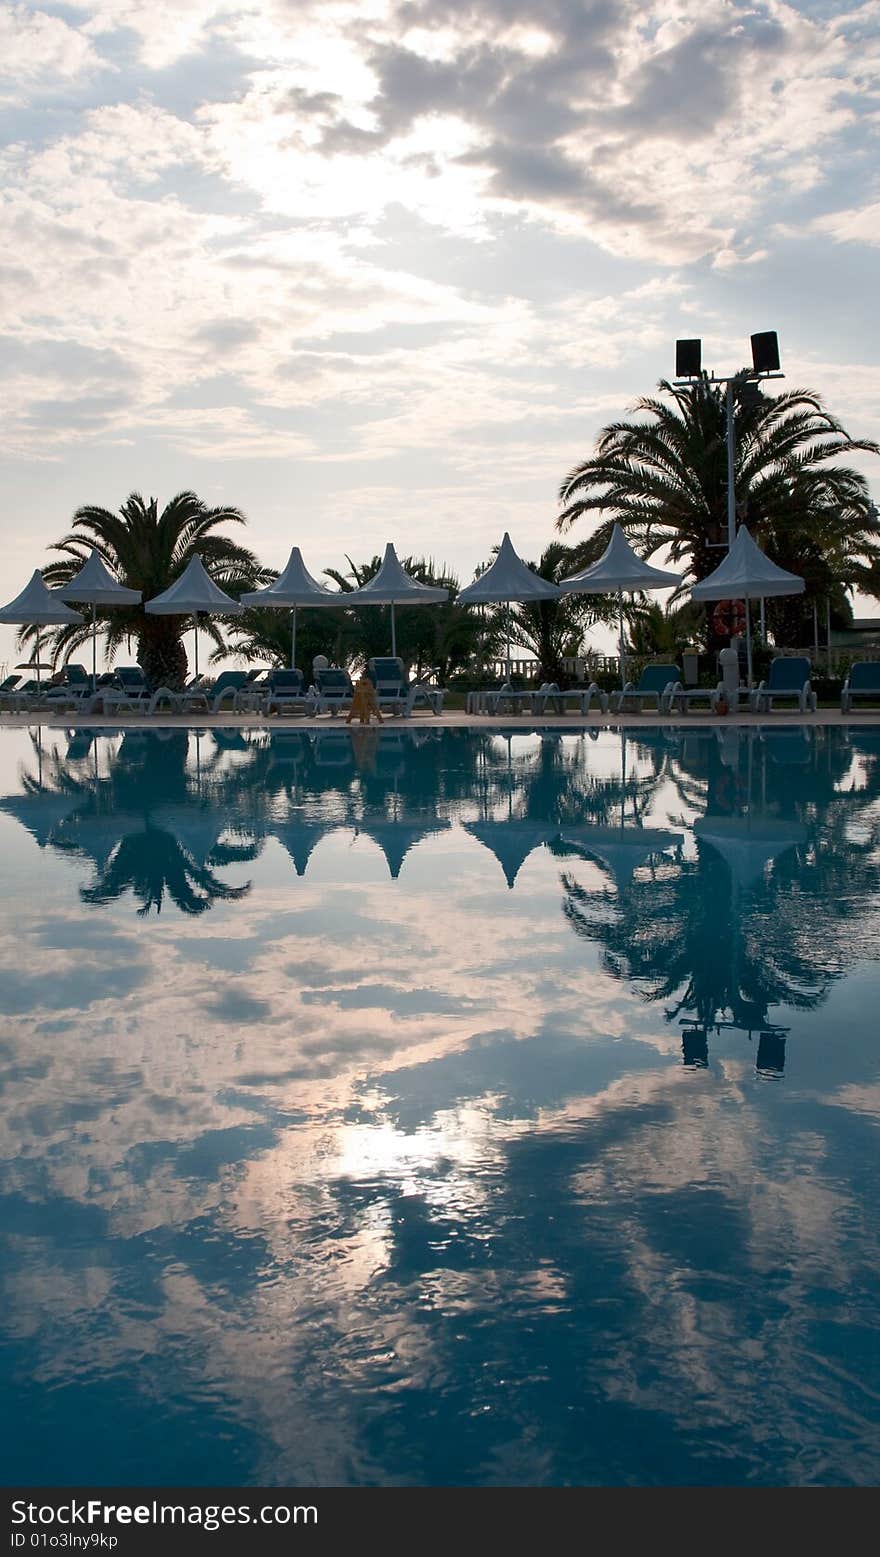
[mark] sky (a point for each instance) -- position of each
(381, 270)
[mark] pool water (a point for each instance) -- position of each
(475, 1108)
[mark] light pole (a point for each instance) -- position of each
(744, 384)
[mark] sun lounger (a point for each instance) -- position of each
(788, 681)
(656, 682)
(863, 681)
(193, 698)
(7, 688)
(127, 690)
(335, 690)
(285, 691)
(420, 692)
(74, 691)
(390, 679)
(680, 698)
(225, 688)
(582, 698)
(28, 694)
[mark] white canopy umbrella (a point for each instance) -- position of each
(392, 586)
(508, 578)
(192, 594)
(95, 585)
(38, 606)
(619, 570)
(294, 587)
(747, 574)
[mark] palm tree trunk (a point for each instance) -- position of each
(161, 654)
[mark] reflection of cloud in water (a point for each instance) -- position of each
(238, 1007)
(491, 1241)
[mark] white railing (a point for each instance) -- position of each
(519, 667)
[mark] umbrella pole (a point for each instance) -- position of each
(94, 646)
(749, 641)
(620, 638)
(39, 656)
(393, 634)
(293, 640)
(507, 666)
(196, 621)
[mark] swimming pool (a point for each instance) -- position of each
(461, 1107)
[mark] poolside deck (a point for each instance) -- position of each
(452, 720)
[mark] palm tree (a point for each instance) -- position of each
(663, 478)
(148, 550)
(658, 632)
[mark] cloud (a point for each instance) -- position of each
(39, 51)
(861, 224)
(377, 245)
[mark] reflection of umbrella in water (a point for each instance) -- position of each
(511, 841)
(300, 839)
(748, 844)
(79, 744)
(396, 838)
(40, 811)
(620, 850)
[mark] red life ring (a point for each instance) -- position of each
(729, 618)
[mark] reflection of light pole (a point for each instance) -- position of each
(744, 385)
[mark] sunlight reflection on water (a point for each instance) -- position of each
(465, 1108)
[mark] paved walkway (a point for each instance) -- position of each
(448, 721)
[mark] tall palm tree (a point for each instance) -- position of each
(663, 478)
(148, 550)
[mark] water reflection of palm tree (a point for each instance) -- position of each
(152, 864)
(752, 920)
(145, 823)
